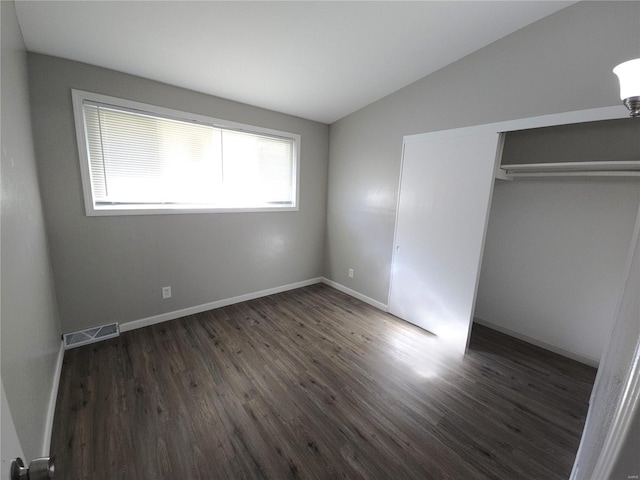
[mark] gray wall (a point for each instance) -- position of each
(561, 63)
(111, 269)
(28, 313)
(553, 261)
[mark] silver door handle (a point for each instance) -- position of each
(39, 469)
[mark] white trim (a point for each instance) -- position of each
(500, 174)
(116, 210)
(629, 401)
(83, 149)
(539, 343)
(627, 408)
(354, 294)
(53, 397)
(635, 238)
(79, 96)
(164, 317)
(579, 116)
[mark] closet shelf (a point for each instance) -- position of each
(571, 169)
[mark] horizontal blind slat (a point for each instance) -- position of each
(138, 158)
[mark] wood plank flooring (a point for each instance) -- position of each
(314, 384)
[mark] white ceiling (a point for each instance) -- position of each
(317, 60)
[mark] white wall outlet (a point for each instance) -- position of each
(351, 273)
(166, 292)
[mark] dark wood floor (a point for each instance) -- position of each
(314, 384)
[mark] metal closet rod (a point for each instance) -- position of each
(571, 169)
(577, 173)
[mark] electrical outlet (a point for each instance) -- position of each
(166, 292)
(351, 273)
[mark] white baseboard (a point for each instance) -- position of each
(164, 317)
(353, 293)
(53, 397)
(539, 343)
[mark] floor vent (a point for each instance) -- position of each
(91, 335)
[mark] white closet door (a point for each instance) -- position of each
(445, 193)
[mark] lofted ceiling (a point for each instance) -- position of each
(319, 60)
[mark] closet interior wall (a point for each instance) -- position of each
(560, 242)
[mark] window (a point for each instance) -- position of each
(143, 159)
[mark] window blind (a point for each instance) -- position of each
(139, 158)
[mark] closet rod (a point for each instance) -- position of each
(589, 173)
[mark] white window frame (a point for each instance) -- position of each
(79, 96)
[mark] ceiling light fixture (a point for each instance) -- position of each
(629, 75)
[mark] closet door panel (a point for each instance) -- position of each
(445, 193)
